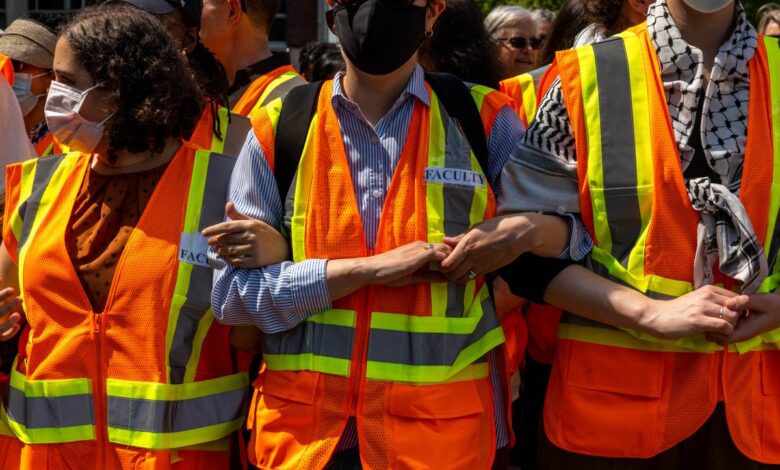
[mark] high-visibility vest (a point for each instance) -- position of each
(526, 91)
(48, 145)
(620, 393)
(410, 363)
(266, 88)
(153, 370)
(233, 129)
(7, 69)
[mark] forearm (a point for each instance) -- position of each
(346, 276)
(584, 293)
(550, 235)
(274, 298)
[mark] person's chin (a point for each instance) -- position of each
(522, 67)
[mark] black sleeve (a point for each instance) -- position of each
(529, 275)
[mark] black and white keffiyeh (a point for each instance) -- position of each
(725, 232)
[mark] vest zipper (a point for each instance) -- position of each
(101, 424)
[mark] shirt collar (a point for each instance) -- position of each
(415, 87)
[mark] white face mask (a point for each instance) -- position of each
(66, 124)
(23, 91)
(708, 6)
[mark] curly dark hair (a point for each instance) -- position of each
(570, 20)
(134, 59)
(604, 12)
(460, 45)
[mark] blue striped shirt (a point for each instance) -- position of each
(276, 298)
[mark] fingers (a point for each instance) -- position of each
(10, 326)
(739, 303)
(8, 335)
(232, 212)
(458, 255)
(235, 251)
(224, 228)
(716, 325)
(453, 241)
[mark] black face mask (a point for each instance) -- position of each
(378, 38)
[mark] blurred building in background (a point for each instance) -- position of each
(298, 22)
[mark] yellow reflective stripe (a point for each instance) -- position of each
(223, 118)
(172, 440)
(529, 96)
(184, 274)
(49, 388)
(303, 182)
(174, 392)
(197, 345)
(53, 435)
(28, 176)
(281, 79)
(420, 324)
(643, 149)
(435, 200)
(308, 361)
(435, 374)
(5, 428)
(592, 108)
(773, 66)
(274, 110)
(669, 287)
(472, 372)
(336, 317)
(50, 194)
(635, 340)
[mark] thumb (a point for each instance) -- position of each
(741, 302)
(232, 212)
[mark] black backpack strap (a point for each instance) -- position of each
(459, 104)
(297, 112)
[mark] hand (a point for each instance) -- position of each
(489, 246)
(247, 242)
(408, 264)
(762, 315)
(694, 313)
(10, 318)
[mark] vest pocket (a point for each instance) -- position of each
(616, 370)
(443, 401)
(299, 387)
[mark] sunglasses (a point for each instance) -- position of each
(519, 42)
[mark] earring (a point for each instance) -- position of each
(429, 33)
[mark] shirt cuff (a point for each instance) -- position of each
(580, 242)
(309, 287)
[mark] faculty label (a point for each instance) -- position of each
(454, 176)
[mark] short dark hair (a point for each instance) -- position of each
(54, 22)
(131, 54)
(262, 12)
(604, 12)
(570, 20)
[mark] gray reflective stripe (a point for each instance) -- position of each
(537, 75)
(312, 338)
(45, 168)
(283, 89)
(618, 146)
(237, 131)
(198, 300)
(457, 200)
(427, 349)
(175, 416)
(50, 412)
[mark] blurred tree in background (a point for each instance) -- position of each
(751, 6)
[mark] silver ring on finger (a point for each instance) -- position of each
(428, 247)
(472, 275)
(721, 312)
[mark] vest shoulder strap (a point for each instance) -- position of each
(294, 120)
(459, 104)
(301, 102)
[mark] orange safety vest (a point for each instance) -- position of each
(48, 145)
(265, 89)
(153, 372)
(621, 393)
(233, 129)
(409, 363)
(7, 69)
(527, 90)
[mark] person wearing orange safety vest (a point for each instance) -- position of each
(673, 210)
(526, 91)
(124, 365)
(370, 358)
(6, 69)
(236, 31)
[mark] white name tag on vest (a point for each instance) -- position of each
(193, 249)
(454, 176)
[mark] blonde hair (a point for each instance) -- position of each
(769, 13)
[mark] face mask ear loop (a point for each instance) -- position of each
(83, 97)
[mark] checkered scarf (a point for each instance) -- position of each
(726, 234)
